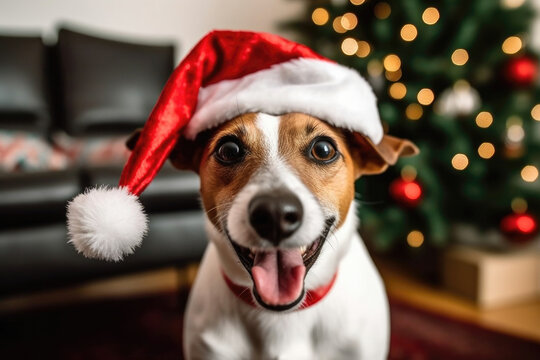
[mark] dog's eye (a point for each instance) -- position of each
(323, 151)
(229, 152)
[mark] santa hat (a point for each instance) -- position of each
(228, 73)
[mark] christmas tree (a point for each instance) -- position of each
(457, 78)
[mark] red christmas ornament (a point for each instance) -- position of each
(522, 71)
(519, 228)
(408, 193)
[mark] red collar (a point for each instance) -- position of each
(312, 296)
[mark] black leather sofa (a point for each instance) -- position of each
(86, 87)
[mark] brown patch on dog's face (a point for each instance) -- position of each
(332, 183)
(220, 183)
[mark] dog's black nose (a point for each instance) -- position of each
(275, 216)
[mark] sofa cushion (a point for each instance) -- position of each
(28, 199)
(109, 86)
(23, 96)
(26, 152)
(93, 150)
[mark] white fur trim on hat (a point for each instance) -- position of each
(106, 223)
(328, 91)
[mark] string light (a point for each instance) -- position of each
(430, 16)
(408, 32)
(512, 4)
(486, 150)
(382, 10)
(336, 24)
(349, 21)
(393, 75)
(519, 205)
(320, 16)
(529, 173)
(425, 96)
(392, 62)
(397, 90)
(535, 112)
(357, 2)
(515, 133)
(514, 129)
(511, 45)
(363, 49)
(460, 161)
(374, 68)
(408, 173)
(414, 111)
(460, 57)
(484, 119)
(349, 46)
(415, 238)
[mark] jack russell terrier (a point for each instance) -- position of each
(285, 275)
(278, 135)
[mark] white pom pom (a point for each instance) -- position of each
(106, 223)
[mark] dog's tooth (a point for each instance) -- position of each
(303, 249)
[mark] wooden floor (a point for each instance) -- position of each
(521, 320)
(138, 284)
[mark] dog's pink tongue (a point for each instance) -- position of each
(279, 276)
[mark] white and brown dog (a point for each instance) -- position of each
(285, 275)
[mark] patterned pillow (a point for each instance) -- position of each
(22, 151)
(93, 151)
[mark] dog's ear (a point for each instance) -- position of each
(373, 158)
(133, 138)
(186, 154)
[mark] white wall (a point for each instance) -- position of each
(182, 21)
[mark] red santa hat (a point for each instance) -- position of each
(228, 73)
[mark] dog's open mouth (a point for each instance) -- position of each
(278, 274)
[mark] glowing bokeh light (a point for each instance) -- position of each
(414, 111)
(415, 238)
(460, 57)
(460, 161)
(529, 173)
(408, 32)
(320, 16)
(484, 119)
(430, 16)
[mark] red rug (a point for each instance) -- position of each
(151, 328)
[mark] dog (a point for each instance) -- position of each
(285, 274)
(278, 135)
